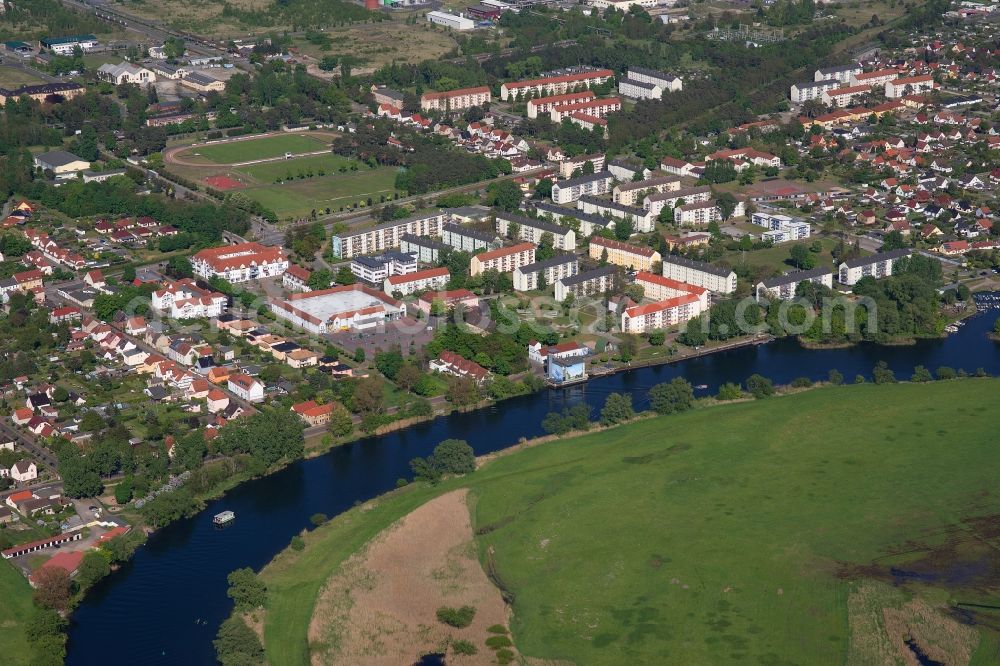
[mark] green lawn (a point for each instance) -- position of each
(269, 171)
(258, 149)
(776, 257)
(14, 612)
(758, 532)
(13, 77)
(299, 197)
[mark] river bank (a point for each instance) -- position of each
(193, 554)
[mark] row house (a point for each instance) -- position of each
(25, 282)
(599, 108)
(544, 105)
(296, 278)
(450, 363)
(52, 251)
(750, 155)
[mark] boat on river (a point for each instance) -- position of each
(224, 518)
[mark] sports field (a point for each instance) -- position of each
(297, 198)
(807, 529)
(257, 149)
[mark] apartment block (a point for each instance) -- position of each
(504, 260)
(528, 278)
(386, 236)
(634, 257)
(719, 279)
(594, 184)
(532, 230)
(591, 283)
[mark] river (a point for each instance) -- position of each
(165, 606)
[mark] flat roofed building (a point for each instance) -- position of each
(65, 45)
(532, 230)
(450, 20)
(719, 279)
(527, 278)
(426, 250)
(349, 307)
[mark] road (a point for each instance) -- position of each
(41, 455)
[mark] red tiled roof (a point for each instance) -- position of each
(504, 251)
(419, 275)
(565, 78)
(619, 245)
(650, 308)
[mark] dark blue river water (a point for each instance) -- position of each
(148, 612)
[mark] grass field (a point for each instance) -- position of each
(268, 171)
(381, 43)
(299, 197)
(14, 610)
(759, 532)
(258, 149)
(12, 77)
(777, 257)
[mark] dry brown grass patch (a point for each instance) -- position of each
(380, 607)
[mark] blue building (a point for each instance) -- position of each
(566, 370)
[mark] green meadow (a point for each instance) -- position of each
(258, 149)
(822, 527)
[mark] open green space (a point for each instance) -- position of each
(258, 149)
(13, 77)
(268, 172)
(299, 197)
(777, 257)
(758, 532)
(14, 613)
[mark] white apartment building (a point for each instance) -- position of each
(660, 315)
(527, 278)
(697, 214)
(841, 73)
(375, 270)
(591, 283)
(659, 288)
(246, 387)
(558, 83)
(386, 236)
(911, 85)
(717, 279)
(451, 21)
(466, 239)
(544, 105)
(642, 83)
(876, 266)
(781, 228)
(643, 220)
(455, 100)
(654, 203)
(594, 184)
(598, 108)
(876, 78)
(841, 97)
(631, 193)
(504, 260)
(411, 283)
(65, 45)
(240, 263)
(426, 250)
(532, 230)
(184, 299)
(806, 90)
(635, 257)
(783, 287)
(570, 165)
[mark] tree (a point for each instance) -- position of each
(617, 409)
(359, 355)
(760, 386)
(52, 588)
(80, 479)
(408, 376)
(91, 422)
(341, 424)
(345, 276)
(45, 630)
(893, 241)
(802, 258)
(730, 391)
(320, 279)
(505, 195)
(882, 374)
(921, 374)
(270, 435)
(179, 267)
(455, 456)
(944, 372)
(727, 204)
(124, 490)
(677, 395)
(246, 590)
(389, 363)
(95, 565)
(236, 644)
(368, 395)
(657, 338)
(835, 377)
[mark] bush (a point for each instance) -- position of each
(246, 590)
(456, 617)
(504, 656)
(497, 642)
(944, 372)
(318, 519)
(497, 629)
(677, 395)
(730, 391)
(835, 377)
(297, 543)
(760, 386)
(617, 409)
(463, 647)
(802, 382)
(236, 644)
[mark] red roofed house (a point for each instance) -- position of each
(246, 387)
(240, 263)
(70, 561)
(451, 363)
(296, 278)
(313, 413)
